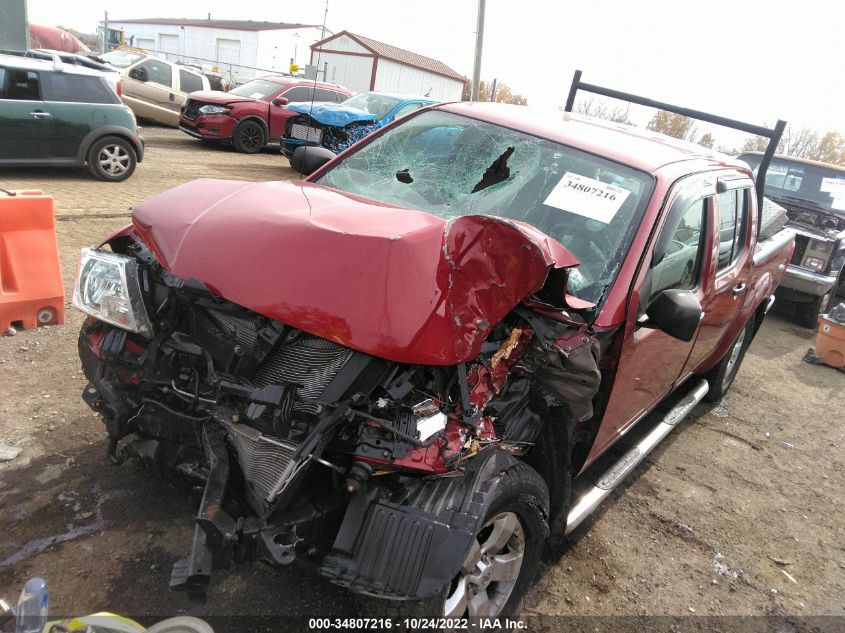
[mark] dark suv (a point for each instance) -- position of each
(53, 113)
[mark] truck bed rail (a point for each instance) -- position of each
(774, 134)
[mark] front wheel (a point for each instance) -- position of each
(503, 560)
(721, 377)
(112, 158)
(248, 138)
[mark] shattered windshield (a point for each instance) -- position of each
(371, 102)
(449, 165)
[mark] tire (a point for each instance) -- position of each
(807, 314)
(514, 529)
(721, 377)
(248, 137)
(112, 159)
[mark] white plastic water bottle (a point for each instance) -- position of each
(32, 606)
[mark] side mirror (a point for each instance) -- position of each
(139, 73)
(676, 312)
(280, 101)
(308, 159)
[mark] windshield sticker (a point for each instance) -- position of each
(839, 202)
(587, 197)
(833, 186)
(256, 95)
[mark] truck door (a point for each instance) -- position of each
(731, 263)
(651, 361)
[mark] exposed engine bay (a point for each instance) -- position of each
(308, 449)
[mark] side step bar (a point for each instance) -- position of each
(591, 499)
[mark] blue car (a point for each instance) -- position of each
(336, 126)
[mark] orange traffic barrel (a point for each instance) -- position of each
(830, 341)
(31, 290)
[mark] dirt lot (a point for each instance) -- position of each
(739, 512)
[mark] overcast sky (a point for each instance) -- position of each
(757, 61)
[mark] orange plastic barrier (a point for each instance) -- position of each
(31, 290)
(830, 343)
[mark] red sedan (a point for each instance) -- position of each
(250, 115)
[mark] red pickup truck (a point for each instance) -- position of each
(399, 368)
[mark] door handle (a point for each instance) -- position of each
(739, 289)
(40, 115)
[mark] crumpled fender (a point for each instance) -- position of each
(329, 113)
(395, 283)
(410, 543)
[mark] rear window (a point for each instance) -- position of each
(21, 85)
(189, 82)
(72, 88)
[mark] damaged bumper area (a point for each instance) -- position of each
(372, 457)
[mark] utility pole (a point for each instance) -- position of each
(106, 33)
(493, 91)
(479, 40)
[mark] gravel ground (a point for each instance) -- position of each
(738, 513)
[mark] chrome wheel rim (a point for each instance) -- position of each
(113, 160)
(490, 571)
(732, 361)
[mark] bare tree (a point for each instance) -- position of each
(599, 109)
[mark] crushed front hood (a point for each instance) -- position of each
(396, 283)
(329, 113)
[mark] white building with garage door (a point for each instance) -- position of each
(249, 48)
(361, 64)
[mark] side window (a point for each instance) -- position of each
(321, 94)
(2, 83)
(67, 87)
(678, 252)
(157, 72)
(339, 96)
(406, 110)
(21, 85)
(298, 93)
(733, 226)
(189, 82)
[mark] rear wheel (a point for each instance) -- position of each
(807, 314)
(721, 377)
(249, 137)
(112, 158)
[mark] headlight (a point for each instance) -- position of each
(107, 288)
(212, 109)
